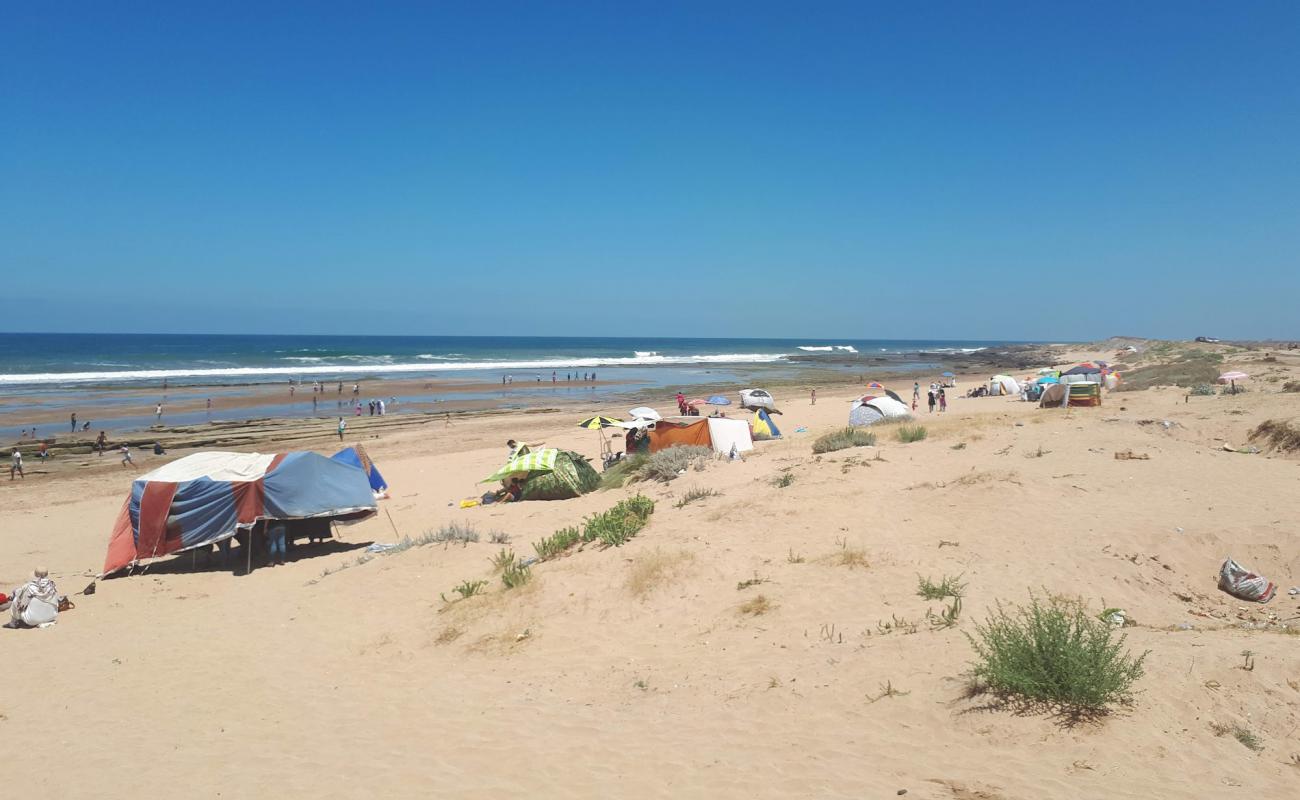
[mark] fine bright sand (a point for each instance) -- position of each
(643, 671)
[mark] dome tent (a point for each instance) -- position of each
(549, 474)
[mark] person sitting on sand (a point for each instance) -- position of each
(520, 448)
(35, 603)
(514, 492)
(158, 449)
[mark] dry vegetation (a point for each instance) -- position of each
(656, 568)
(1278, 434)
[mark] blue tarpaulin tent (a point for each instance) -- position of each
(357, 457)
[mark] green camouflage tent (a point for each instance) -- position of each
(550, 474)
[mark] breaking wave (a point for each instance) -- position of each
(381, 365)
(844, 348)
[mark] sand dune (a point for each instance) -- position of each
(639, 672)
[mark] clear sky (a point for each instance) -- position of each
(869, 170)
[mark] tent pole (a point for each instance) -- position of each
(249, 569)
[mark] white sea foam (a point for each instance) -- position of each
(847, 348)
(383, 368)
(645, 353)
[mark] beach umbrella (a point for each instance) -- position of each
(1232, 378)
(718, 400)
(596, 423)
(875, 385)
(643, 412)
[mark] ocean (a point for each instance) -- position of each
(30, 361)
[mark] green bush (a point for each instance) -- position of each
(620, 523)
(1055, 654)
(516, 575)
(948, 586)
(842, 439)
(557, 543)
(666, 464)
(1202, 390)
(911, 433)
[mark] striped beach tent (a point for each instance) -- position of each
(535, 461)
(205, 498)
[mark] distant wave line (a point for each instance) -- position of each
(357, 369)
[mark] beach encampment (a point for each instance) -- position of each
(206, 498)
(868, 410)
(763, 426)
(723, 435)
(1003, 385)
(357, 456)
(1055, 395)
(549, 474)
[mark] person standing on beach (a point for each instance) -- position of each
(101, 442)
(943, 401)
(343, 426)
(16, 465)
(814, 396)
(74, 422)
(916, 393)
(930, 394)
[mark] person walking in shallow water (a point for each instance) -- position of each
(74, 422)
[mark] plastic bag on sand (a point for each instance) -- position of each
(1240, 582)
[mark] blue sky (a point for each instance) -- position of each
(990, 170)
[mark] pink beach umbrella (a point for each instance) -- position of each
(1232, 378)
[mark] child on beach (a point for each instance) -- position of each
(343, 426)
(17, 465)
(126, 456)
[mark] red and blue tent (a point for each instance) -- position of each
(359, 458)
(209, 497)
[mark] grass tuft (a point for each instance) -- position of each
(696, 493)
(757, 606)
(1244, 735)
(911, 433)
(783, 480)
(654, 569)
(1054, 654)
(842, 439)
(1278, 434)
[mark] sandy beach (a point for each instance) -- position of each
(648, 670)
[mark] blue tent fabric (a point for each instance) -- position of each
(358, 458)
(766, 418)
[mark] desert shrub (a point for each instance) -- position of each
(469, 588)
(502, 559)
(668, 463)
(1291, 386)
(1202, 390)
(1277, 433)
(911, 433)
(783, 480)
(1056, 654)
(516, 575)
(756, 606)
(842, 439)
(1244, 735)
(948, 586)
(1238, 389)
(614, 527)
(696, 493)
(499, 537)
(626, 470)
(454, 532)
(557, 543)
